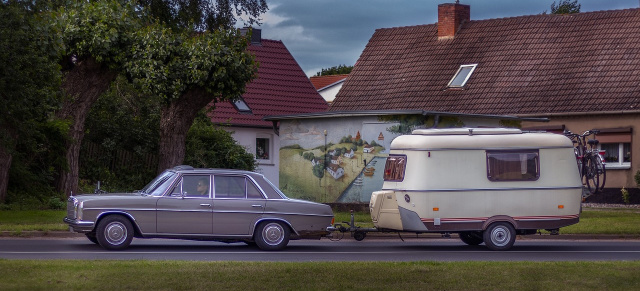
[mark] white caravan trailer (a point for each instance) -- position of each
(486, 184)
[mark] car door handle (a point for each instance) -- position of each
(205, 205)
(256, 205)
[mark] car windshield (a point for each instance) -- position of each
(158, 185)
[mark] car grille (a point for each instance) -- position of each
(71, 208)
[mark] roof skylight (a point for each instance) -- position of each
(462, 76)
(241, 106)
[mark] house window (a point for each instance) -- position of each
(241, 106)
(262, 148)
(462, 76)
(520, 165)
(616, 144)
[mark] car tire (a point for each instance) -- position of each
(92, 238)
(272, 235)
(499, 236)
(114, 232)
(472, 238)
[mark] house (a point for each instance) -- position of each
(349, 155)
(335, 171)
(581, 71)
(280, 88)
(368, 149)
(328, 86)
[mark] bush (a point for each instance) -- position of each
(208, 146)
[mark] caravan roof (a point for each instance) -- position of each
(478, 138)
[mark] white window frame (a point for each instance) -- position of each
(620, 164)
(269, 139)
(466, 78)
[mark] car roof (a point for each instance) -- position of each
(190, 169)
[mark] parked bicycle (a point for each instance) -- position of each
(590, 160)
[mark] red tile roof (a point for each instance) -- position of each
(320, 82)
(280, 88)
(537, 64)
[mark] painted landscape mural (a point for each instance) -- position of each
(333, 160)
(342, 158)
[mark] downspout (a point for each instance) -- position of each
(276, 130)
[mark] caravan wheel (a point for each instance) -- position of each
(499, 236)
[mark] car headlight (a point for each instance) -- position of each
(79, 211)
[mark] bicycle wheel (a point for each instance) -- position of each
(591, 174)
(603, 173)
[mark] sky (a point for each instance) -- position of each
(327, 33)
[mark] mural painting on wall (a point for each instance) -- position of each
(333, 161)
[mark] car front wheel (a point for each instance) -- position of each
(272, 236)
(114, 232)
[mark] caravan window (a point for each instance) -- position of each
(394, 168)
(520, 165)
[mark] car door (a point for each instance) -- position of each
(187, 208)
(237, 205)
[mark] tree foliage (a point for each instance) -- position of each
(188, 72)
(29, 79)
(337, 70)
(205, 14)
(96, 37)
(209, 146)
(565, 7)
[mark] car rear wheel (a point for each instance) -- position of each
(114, 232)
(272, 235)
(472, 238)
(499, 236)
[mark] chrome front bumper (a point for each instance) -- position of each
(78, 225)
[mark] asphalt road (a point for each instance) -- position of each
(370, 249)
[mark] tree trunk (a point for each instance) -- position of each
(83, 84)
(5, 164)
(176, 119)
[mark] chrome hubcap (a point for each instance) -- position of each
(273, 234)
(115, 233)
(500, 236)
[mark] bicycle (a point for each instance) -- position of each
(590, 163)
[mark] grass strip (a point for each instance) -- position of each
(184, 275)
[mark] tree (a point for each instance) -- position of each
(29, 79)
(205, 14)
(96, 36)
(188, 72)
(318, 171)
(210, 147)
(337, 70)
(565, 7)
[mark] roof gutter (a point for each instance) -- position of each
(580, 113)
(334, 114)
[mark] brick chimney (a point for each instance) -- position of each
(450, 17)
(256, 34)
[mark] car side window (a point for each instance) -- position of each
(236, 187)
(229, 186)
(252, 191)
(193, 186)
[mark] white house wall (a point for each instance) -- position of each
(247, 138)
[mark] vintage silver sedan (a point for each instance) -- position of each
(201, 204)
